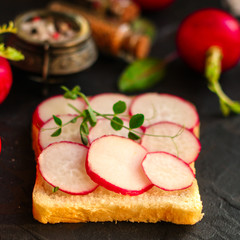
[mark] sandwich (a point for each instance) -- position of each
(142, 172)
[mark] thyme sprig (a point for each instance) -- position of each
(89, 118)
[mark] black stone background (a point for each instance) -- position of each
(217, 167)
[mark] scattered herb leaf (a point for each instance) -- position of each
(91, 116)
(10, 28)
(57, 132)
(117, 123)
(10, 53)
(141, 75)
(55, 189)
(119, 107)
(57, 120)
(84, 128)
(133, 136)
(84, 138)
(74, 120)
(136, 121)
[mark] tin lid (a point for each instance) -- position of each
(78, 24)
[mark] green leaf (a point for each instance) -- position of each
(119, 107)
(74, 120)
(84, 139)
(117, 123)
(71, 94)
(84, 113)
(141, 75)
(136, 121)
(55, 189)
(133, 136)
(91, 116)
(10, 53)
(57, 132)
(144, 26)
(57, 120)
(76, 89)
(84, 128)
(10, 28)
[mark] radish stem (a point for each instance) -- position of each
(212, 73)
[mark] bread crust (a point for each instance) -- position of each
(180, 207)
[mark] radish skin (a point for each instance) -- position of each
(185, 146)
(115, 163)
(103, 128)
(165, 107)
(167, 171)
(209, 41)
(204, 29)
(103, 103)
(62, 165)
(69, 132)
(55, 105)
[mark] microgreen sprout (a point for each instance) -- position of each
(55, 189)
(89, 117)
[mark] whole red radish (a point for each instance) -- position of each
(209, 41)
(5, 78)
(153, 4)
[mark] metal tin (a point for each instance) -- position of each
(49, 59)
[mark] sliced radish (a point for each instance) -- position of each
(165, 107)
(103, 103)
(185, 145)
(63, 165)
(103, 127)
(167, 171)
(69, 132)
(55, 106)
(115, 163)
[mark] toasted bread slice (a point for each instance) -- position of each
(180, 207)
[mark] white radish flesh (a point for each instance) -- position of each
(103, 127)
(63, 165)
(185, 145)
(164, 107)
(70, 132)
(103, 103)
(56, 105)
(167, 172)
(115, 163)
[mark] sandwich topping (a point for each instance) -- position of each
(152, 146)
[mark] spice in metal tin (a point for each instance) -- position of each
(48, 29)
(62, 45)
(116, 39)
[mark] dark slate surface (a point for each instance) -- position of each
(217, 167)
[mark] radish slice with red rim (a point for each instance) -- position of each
(185, 145)
(103, 128)
(56, 105)
(167, 171)
(70, 132)
(62, 165)
(115, 163)
(103, 103)
(165, 107)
